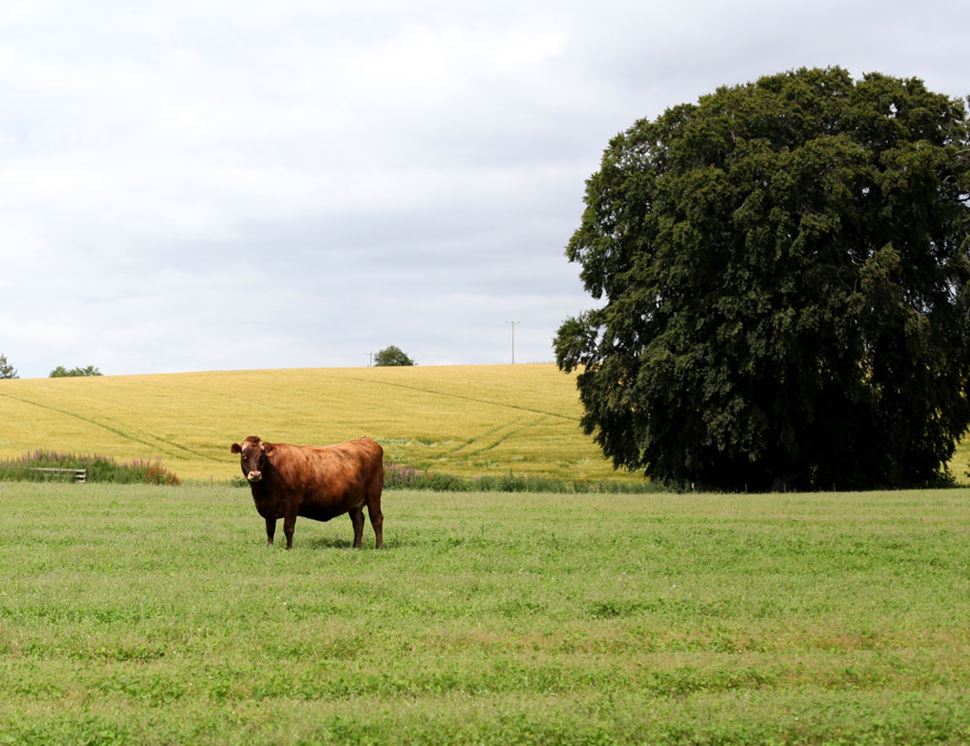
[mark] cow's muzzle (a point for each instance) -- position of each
(254, 476)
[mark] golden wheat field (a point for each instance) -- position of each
(464, 420)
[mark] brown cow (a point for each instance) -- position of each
(315, 482)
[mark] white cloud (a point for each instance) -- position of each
(363, 174)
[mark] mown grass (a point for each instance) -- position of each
(464, 420)
(136, 614)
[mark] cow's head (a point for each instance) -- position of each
(253, 455)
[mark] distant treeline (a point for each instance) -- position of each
(61, 372)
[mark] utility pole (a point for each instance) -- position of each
(513, 324)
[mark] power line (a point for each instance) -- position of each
(513, 324)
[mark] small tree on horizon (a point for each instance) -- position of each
(391, 356)
(6, 369)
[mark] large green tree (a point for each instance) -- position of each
(782, 271)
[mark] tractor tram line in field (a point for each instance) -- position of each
(197, 454)
(475, 439)
(469, 421)
(504, 437)
(121, 433)
(464, 397)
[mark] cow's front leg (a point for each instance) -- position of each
(357, 518)
(289, 523)
(270, 530)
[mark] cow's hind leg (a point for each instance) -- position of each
(289, 524)
(357, 518)
(270, 530)
(376, 516)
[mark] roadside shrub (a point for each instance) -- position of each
(99, 469)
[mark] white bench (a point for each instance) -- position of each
(80, 475)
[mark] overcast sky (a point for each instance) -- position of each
(249, 184)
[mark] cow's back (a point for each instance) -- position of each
(329, 480)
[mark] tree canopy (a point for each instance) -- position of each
(782, 274)
(61, 372)
(392, 355)
(6, 369)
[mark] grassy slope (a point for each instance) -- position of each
(466, 420)
(143, 615)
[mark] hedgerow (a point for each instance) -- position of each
(30, 466)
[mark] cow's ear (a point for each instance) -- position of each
(267, 449)
(236, 448)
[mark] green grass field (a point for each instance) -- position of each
(464, 420)
(132, 614)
